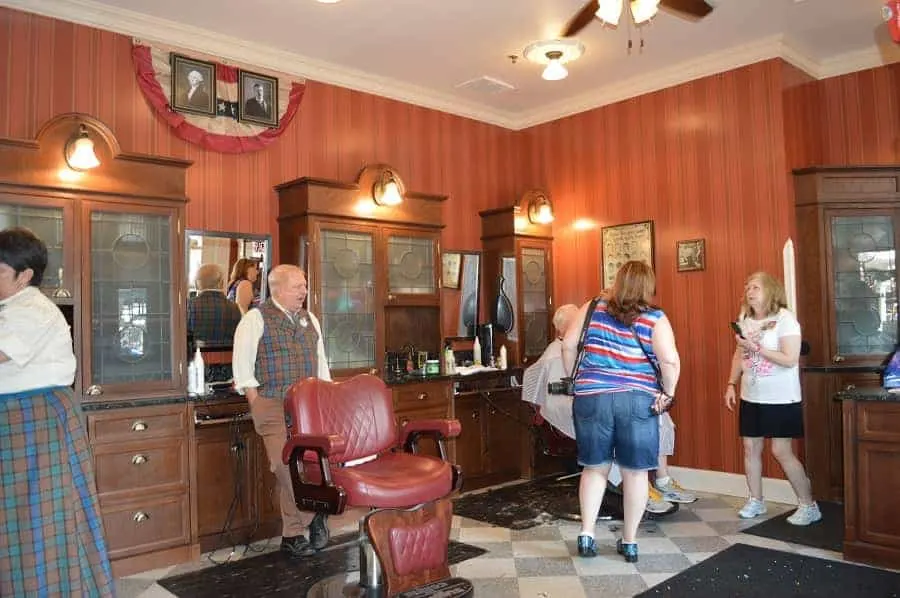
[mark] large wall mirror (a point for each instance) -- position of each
(462, 286)
(225, 249)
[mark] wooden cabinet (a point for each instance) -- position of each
(872, 460)
(423, 400)
(518, 269)
(374, 273)
(234, 487)
(142, 469)
(848, 220)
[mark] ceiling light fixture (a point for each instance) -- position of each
(554, 54)
(610, 11)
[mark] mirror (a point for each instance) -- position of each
(461, 273)
(225, 249)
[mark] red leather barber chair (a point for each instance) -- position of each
(344, 449)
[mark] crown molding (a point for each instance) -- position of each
(102, 16)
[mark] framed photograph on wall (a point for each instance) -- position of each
(258, 98)
(622, 243)
(691, 255)
(451, 268)
(193, 85)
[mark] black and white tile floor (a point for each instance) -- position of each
(542, 562)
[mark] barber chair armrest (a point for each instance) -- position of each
(438, 429)
(324, 497)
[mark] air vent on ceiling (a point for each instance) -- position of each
(486, 84)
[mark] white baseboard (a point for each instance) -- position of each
(731, 484)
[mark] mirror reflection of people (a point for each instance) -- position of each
(617, 398)
(212, 318)
(242, 284)
(196, 94)
(52, 533)
(275, 345)
(258, 105)
(766, 365)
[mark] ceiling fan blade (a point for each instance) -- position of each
(692, 8)
(581, 19)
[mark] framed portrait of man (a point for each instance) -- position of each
(258, 99)
(193, 85)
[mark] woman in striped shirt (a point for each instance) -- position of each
(626, 377)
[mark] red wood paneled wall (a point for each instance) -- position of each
(709, 159)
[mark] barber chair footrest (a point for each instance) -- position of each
(453, 587)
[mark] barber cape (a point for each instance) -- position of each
(556, 409)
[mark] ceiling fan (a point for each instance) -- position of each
(609, 11)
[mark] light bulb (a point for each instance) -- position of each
(555, 71)
(644, 10)
(544, 214)
(80, 153)
(609, 11)
(390, 194)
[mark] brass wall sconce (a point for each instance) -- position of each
(79, 151)
(387, 190)
(540, 210)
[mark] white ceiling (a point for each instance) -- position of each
(419, 51)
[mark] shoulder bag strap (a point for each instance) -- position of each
(584, 329)
(652, 362)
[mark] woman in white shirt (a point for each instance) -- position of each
(765, 363)
(51, 534)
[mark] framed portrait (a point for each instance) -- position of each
(451, 268)
(258, 99)
(193, 85)
(623, 243)
(691, 255)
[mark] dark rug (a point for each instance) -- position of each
(275, 574)
(743, 571)
(537, 502)
(827, 533)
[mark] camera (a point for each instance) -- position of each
(565, 386)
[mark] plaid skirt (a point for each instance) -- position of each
(51, 534)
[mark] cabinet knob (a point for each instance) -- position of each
(94, 390)
(390, 297)
(404, 421)
(837, 358)
(139, 459)
(138, 426)
(474, 414)
(423, 396)
(850, 387)
(140, 517)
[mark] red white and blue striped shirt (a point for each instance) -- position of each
(613, 360)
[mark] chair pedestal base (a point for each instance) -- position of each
(346, 585)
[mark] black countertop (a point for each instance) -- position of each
(873, 393)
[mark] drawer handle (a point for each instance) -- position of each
(94, 390)
(140, 517)
(837, 358)
(138, 459)
(423, 396)
(850, 387)
(138, 426)
(404, 421)
(474, 414)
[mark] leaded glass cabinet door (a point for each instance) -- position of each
(864, 284)
(412, 266)
(51, 220)
(133, 294)
(347, 296)
(534, 279)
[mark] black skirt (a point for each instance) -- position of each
(759, 420)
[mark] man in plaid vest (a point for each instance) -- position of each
(212, 318)
(275, 345)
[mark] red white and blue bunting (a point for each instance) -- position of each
(222, 133)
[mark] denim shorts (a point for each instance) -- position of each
(618, 426)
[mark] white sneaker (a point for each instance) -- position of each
(656, 503)
(673, 492)
(805, 514)
(753, 508)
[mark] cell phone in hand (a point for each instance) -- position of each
(736, 329)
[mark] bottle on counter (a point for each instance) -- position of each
(476, 352)
(197, 374)
(502, 364)
(449, 361)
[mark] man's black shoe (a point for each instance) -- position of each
(318, 531)
(296, 546)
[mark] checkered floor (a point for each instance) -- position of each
(542, 562)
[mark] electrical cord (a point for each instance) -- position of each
(531, 427)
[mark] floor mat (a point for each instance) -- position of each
(827, 533)
(744, 571)
(275, 574)
(536, 502)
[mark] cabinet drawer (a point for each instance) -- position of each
(878, 421)
(408, 415)
(139, 466)
(146, 525)
(124, 425)
(421, 396)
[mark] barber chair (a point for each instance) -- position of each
(344, 449)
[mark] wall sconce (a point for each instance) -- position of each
(540, 210)
(79, 151)
(387, 189)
